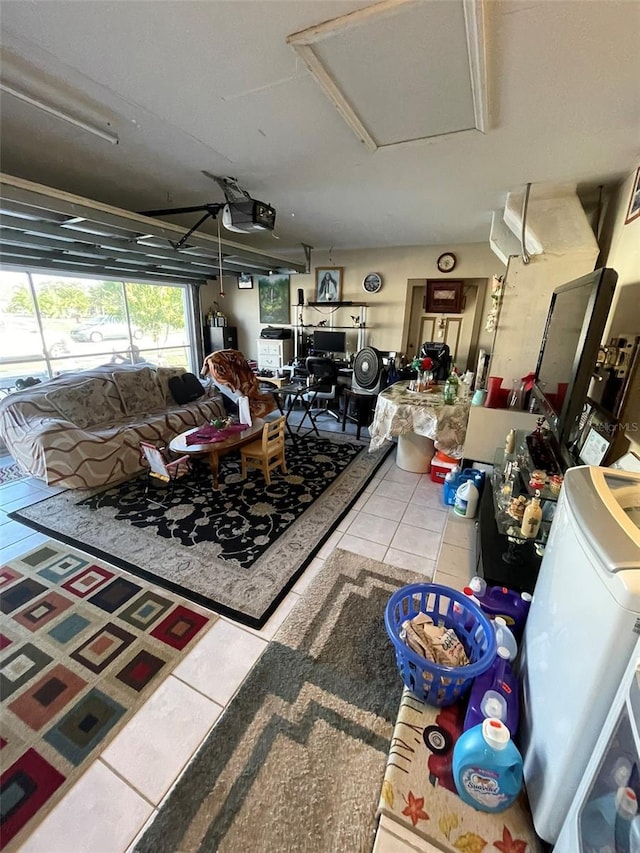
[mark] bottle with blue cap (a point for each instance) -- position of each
(466, 500)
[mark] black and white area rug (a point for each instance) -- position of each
(237, 550)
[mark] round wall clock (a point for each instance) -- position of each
(446, 262)
(372, 282)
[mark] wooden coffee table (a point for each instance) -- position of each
(215, 449)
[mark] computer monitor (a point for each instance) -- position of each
(330, 342)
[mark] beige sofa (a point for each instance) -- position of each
(83, 429)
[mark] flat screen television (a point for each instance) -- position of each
(572, 336)
(330, 342)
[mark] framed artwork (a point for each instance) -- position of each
(329, 284)
(443, 297)
(634, 201)
(595, 447)
(273, 296)
(245, 281)
(597, 435)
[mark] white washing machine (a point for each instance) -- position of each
(594, 822)
(582, 627)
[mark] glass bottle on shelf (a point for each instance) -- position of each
(532, 518)
(517, 395)
(451, 388)
(510, 444)
(509, 485)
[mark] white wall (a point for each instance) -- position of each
(388, 311)
(525, 304)
(623, 255)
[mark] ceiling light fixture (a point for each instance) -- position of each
(54, 111)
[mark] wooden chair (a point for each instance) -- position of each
(268, 452)
(160, 468)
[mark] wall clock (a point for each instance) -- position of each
(446, 262)
(372, 282)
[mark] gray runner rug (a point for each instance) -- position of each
(295, 764)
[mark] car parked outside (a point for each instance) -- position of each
(105, 327)
(20, 338)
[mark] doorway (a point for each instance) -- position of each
(459, 331)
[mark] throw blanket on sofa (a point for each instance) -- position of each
(229, 370)
(84, 429)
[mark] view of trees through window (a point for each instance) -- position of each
(51, 324)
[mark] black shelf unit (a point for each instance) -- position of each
(220, 337)
(498, 561)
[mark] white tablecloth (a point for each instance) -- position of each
(400, 412)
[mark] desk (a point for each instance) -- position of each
(274, 381)
(421, 421)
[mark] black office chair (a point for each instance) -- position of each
(324, 371)
(440, 354)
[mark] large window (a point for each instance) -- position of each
(51, 324)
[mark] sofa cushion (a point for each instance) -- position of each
(163, 375)
(139, 391)
(85, 405)
(185, 388)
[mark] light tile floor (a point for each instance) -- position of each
(399, 519)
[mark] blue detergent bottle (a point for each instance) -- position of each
(487, 767)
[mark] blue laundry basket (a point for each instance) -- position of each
(429, 681)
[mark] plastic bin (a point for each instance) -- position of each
(429, 681)
(440, 469)
(449, 493)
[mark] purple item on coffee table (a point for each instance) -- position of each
(209, 434)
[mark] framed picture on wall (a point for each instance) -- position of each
(245, 281)
(634, 201)
(443, 297)
(273, 296)
(328, 284)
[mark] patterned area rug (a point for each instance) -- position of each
(296, 762)
(10, 473)
(83, 647)
(239, 549)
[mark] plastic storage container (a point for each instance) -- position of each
(505, 638)
(487, 767)
(606, 821)
(440, 469)
(634, 835)
(466, 502)
(626, 811)
(451, 481)
(495, 694)
(454, 478)
(501, 601)
(430, 682)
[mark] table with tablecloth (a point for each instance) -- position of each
(417, 416)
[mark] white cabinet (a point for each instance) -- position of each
(488, 428)
(274, 354)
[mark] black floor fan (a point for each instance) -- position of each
(370, 374)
